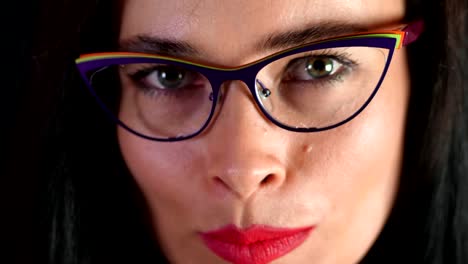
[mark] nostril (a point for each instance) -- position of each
(267, 179)
(220, 182)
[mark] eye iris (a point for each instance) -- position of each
(171, 77)
(319, 67)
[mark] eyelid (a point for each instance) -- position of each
(341, 57)
(131, 69)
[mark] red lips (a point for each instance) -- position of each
(255, 245)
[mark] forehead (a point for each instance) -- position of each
(226, 31)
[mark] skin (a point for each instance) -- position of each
(244, 170)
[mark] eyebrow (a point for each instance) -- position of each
(156, 45)
(273, 41)
(315, 32)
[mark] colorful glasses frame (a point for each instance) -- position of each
(388, 39)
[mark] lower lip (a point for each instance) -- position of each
(259, 252)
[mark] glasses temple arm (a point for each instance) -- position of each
(413, 31)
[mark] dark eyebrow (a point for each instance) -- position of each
(274, 41)
(284, 40)
(155, 45)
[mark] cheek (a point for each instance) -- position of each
(369, 144)
(160, 169)
(357, 166)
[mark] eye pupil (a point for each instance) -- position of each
(170, 77)
(319, 67)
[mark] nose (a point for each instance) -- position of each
(247, 150)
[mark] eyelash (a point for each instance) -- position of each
(342, 58)
(138, 75)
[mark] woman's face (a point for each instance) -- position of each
(245, 172)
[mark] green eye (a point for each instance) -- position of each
(319, 67)
(170, 77)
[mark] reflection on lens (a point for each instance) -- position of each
(321, 88)
(157, 100)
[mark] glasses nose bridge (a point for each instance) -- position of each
(223, 83)
(245, 75)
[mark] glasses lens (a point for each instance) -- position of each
(157, 100)
(320, 88)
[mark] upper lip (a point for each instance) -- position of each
(256, 233)
(257, 244)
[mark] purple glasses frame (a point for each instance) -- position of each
(387, 39)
